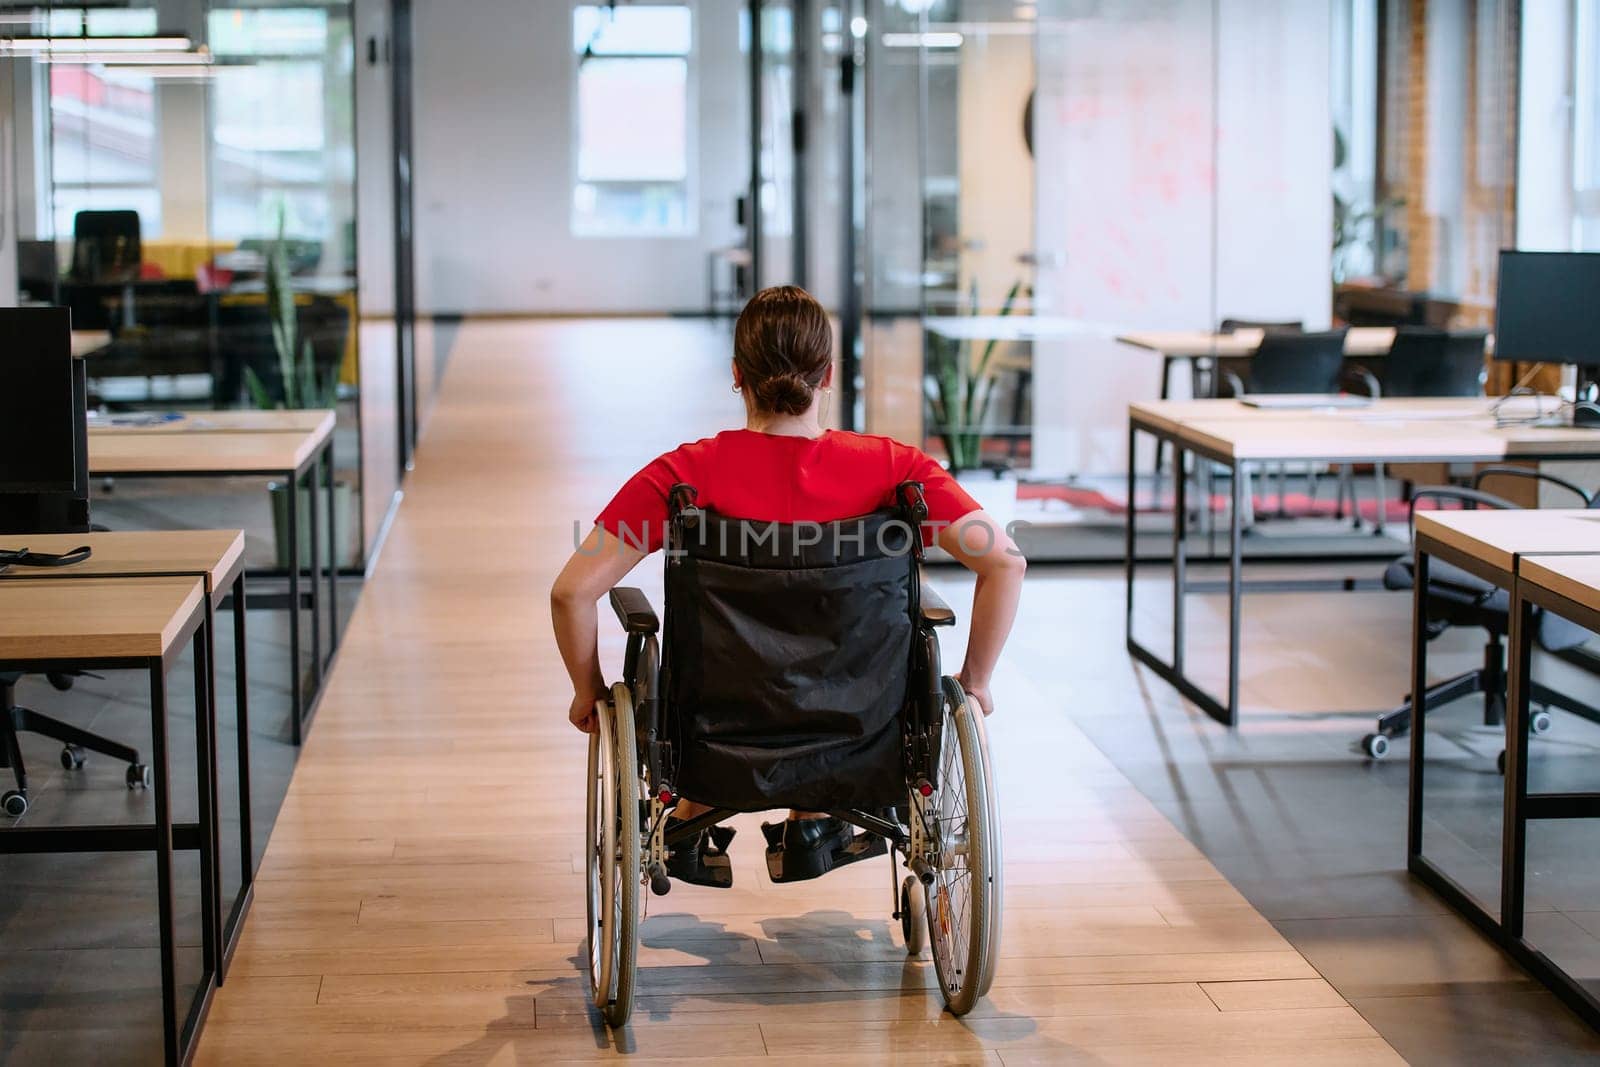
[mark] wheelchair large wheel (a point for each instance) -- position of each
(964, 896)
(611, 849)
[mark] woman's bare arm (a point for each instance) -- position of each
(600, 563)
(983, 547)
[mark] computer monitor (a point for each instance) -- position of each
(44, 454)
(1548, 308)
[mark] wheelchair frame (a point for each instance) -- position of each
(627, 842)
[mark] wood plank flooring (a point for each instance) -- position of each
(421, 897)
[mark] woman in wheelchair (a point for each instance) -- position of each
(791, 671)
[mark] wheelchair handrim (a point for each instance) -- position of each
(601, 845)
(960, 896)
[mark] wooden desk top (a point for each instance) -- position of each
(1363, 341)
(1499, 537)
(1575, 577)
(120, 552)
(1012, 327)
(190, 453)
(1429, 429)
(89, 619)
(315, 420)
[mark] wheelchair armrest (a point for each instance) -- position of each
(935, 612)
(633, 610)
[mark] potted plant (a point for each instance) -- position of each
(300, 385)
(960, 384)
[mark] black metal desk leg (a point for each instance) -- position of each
(296, 694)
(333, 556)
(1128, 538)
(242, 718)
(1180, 552)
(313, 499)
(163, 850)
(205, 755)
(1419, 687)
(1235, 589)
(1514, 832)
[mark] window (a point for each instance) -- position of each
(632, 132)
(104, 141)
(272, 145)
(1586, 127)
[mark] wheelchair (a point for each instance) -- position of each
(798, 668)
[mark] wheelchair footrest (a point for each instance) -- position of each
(796, 862)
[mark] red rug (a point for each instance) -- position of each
(1296, 505)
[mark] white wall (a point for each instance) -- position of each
(1168, 199)
(494, 144)
(1544, 127)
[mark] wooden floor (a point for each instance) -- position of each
(421, 900)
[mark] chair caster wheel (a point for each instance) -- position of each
(71, 757)
(1375, 745)
(139, 776)
(59, 682)
(913, 915)
(1500, 762)
(1540, 722)
(15, 804)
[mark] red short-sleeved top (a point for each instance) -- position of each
(776, 478)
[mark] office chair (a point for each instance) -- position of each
(15, 719)
(106, 247)
(1459, 598)
(1422, 361)
(1289, 362)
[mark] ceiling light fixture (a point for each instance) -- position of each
(61, 45)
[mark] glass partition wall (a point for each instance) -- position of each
(174, 162)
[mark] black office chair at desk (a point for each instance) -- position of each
(1459, 598)
(1422, 361)
(1289, 362)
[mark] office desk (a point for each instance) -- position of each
(314, 421)
(1363, 341)
(295, 456)
(216, 557)
(1231, 434)
(1012, 327)
(1547, 559)
(130, 624)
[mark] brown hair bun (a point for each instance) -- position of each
(783, 346)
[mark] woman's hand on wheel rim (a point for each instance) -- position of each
(581, 714)
(979, 694)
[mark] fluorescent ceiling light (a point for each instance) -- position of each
(922, 40)
(58, 45)
(193, 71)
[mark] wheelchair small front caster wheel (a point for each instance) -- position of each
(1375, 745)
(139, 776)
(914, 915)
(1500, 762)
(71, 757)
(1540, 722)
(15, 804)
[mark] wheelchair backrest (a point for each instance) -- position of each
(787, 653)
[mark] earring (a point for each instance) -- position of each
(736, 387)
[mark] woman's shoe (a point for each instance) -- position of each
(800, 849)
(703, 858)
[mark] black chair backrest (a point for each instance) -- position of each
(1424, 361)
(1234, 325)
(106, 246)
(1297, 363)
(787, 655)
